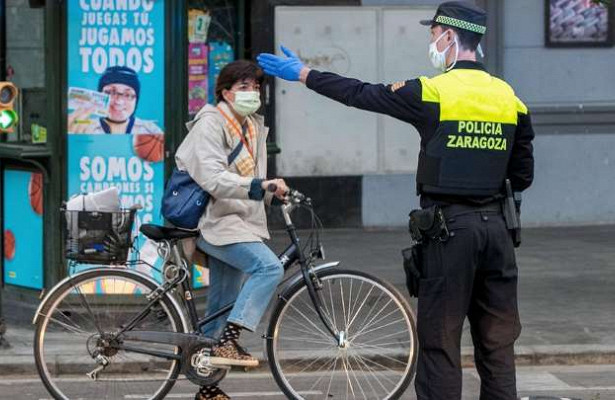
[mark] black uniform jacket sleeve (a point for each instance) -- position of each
(521, 164)
(401, 100)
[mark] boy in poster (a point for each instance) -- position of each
(122, 86)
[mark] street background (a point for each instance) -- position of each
(566, 297)
(359, 168)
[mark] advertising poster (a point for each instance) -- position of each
(116, 103)
(220, 54)
(23, 228)
(197, 77)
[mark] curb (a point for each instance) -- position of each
(524, 356)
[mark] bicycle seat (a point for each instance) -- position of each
(158, 233)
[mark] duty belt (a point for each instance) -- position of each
(454, 210)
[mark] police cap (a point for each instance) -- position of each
(460, 14)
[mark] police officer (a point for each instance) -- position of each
(475, 134)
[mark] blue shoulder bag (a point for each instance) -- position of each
(184, 201)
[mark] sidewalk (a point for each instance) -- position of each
(566, 293)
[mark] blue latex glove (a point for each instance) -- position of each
(287, 68)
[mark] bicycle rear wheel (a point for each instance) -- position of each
(76, 327)
(376, 357)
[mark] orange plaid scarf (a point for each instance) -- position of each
(245, 162)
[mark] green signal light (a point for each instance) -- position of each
(8, 119)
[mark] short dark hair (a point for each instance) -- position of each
(467, 40)
(237, 71)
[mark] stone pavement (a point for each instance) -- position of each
(566, 293)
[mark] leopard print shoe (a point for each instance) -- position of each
(211, 393)
(231, 353)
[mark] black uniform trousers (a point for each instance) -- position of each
(472, 274)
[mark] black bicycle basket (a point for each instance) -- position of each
(97, 237)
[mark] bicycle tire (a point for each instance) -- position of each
(58, 295)
(293, 293)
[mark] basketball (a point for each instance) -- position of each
(9, 245)
(149, 147)
(35, 190)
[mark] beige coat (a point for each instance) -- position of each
(230, 217)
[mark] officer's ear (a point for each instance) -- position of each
(450, 36)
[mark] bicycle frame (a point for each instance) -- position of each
(293, 253)
(173, 254)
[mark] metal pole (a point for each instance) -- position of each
(241, 29)
(3, 342)
(2, 40)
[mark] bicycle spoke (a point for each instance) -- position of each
(360, 307)
(372, 323)
(331, 378)
(373, 372)
(323, 334)
(376, 315)
(355, 378)
(311, 323)
(380, 354)
(315, 384)
(380, 327)
(70, 328)
(309, 365)
(304, 340)
(89, 310)
(348, 381)
(369, 360)
(303, 331)
(396, 344)
(354, 305)
(405, 331)
(365, 376)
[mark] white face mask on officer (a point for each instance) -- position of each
(246, 103)
(438, 58)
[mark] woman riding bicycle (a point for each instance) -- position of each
(242, 268)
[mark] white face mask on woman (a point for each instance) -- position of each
(438, 58)
(246, 103)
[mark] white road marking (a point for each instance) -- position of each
(232, 395)
(560, 398)
(535, 380)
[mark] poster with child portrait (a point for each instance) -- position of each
(116, 74)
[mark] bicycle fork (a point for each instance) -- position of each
(313, 286)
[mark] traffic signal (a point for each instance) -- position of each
(8, 116)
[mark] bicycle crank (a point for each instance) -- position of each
(198, 368)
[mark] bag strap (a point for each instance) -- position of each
(238, 131)
(235, 153)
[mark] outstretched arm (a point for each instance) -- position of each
(402, 100)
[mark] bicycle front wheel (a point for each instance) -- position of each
(75, 336)
(375, 355)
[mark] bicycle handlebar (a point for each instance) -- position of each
(293, 196)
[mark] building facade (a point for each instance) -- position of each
(358, 167)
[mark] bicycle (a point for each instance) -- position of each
(127, 336)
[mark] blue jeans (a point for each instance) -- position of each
(229, 267)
